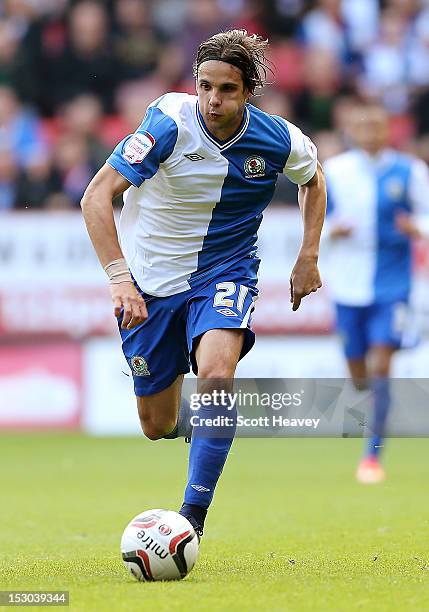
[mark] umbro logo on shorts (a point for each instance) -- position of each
(194, 156)
(200, 488)
(227, 312)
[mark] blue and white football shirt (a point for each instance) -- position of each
(373, 264)
(196, 203)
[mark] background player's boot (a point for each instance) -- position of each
(196, 515)
(370, 471)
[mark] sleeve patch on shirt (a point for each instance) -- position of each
(137, 147)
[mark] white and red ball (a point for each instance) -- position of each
(159, 545)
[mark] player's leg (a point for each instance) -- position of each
(351, 328)
(157, 353)
(385, 329)
(217, 354)
(358, 372)
(158, 413)
(165, 414)
(379, 363)
(219, 334)
(370, 470)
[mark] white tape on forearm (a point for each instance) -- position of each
(117, 271)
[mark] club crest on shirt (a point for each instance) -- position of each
(137, 147)
(395, 188)
(254, 166)
(139, 366)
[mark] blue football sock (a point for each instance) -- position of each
(209, 449)
(381, 395)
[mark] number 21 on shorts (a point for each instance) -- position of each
(223, 293)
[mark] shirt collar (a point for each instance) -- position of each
(224, 144)
(379, 161)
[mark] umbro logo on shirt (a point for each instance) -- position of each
(194, 156)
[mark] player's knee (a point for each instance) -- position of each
(216, 371)
(151, 431)
(154, 430)
(381, 370)
(379, 367)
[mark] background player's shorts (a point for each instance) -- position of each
(361, 327)
(163, 346)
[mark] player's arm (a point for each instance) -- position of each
(98, 214)
(336, 226)
(303, 169)
(305, 277)
(416, 224)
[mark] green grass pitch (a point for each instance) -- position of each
(290, 529)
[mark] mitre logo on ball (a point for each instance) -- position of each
(166, 548)
(254, 166)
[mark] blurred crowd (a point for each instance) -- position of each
(75, 77)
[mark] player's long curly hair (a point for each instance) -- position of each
(243, 50)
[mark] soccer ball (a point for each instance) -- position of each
(159, 545)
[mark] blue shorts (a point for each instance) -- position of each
(361, 327)
(162, 347)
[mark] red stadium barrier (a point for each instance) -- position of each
(41, 386)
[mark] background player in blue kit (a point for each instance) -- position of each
(373, 193)
(197, 175)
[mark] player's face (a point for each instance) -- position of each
(221, 97)
(370, 129)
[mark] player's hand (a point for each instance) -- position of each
(305, 279)
(340, 230)
(125, 295)
(405, 224)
